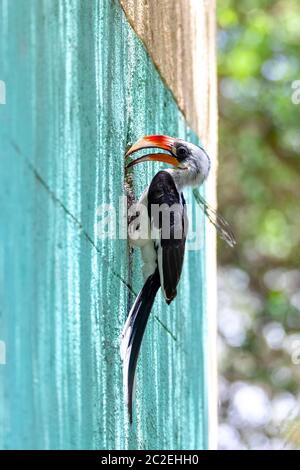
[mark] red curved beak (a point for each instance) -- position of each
(163, 142)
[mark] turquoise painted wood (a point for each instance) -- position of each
(79, 88)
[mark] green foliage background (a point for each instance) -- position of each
(259, 193)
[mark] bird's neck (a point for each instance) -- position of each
(183, 178)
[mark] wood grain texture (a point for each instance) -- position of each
(80, 86)
(180, 37)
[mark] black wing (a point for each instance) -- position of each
(171, 222)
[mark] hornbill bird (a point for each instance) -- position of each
(163, 255)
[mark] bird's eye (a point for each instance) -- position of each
(181, 152)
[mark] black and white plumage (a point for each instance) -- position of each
(163, 192)
(163, 249)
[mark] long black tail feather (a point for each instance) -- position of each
(133, 332)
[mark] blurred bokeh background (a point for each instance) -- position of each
(259, 193)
